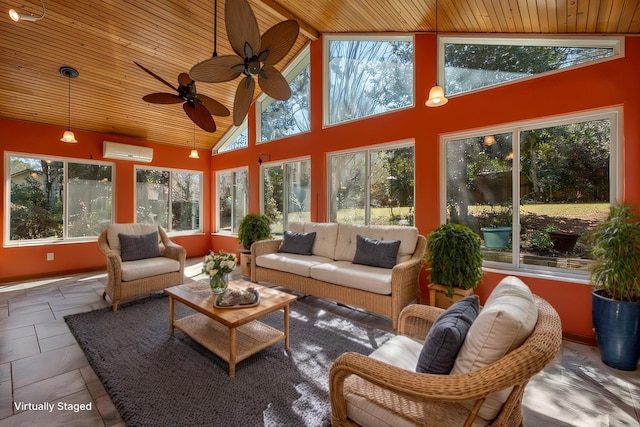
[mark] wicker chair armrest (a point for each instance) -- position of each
(416, 320)
(263, 247)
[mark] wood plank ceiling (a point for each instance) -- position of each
(101, 39)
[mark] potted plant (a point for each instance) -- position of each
(616, 297)
(454, 257)
(496, 227)
(252, 228)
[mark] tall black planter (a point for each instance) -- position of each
(617, 326)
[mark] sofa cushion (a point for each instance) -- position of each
(138, 246)
(291, 263)
(504, 323)
(114, 229)
(297, 243)
(446, 336)
(376, 253)
(326, 236)
(345, 248)
(139, 269)
(356, 276)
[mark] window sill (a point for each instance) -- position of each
(557, 276)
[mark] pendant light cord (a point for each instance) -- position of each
(69, 105)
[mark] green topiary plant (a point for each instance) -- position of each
(616, 249)
(454, 256)
(252, 228)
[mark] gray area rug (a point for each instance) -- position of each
(158, 380)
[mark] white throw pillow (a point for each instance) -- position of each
(504, 323)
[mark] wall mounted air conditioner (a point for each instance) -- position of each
(114, 150)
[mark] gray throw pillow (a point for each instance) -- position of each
(138, 246)
(446, 336)
(298, 243)
(376, 253)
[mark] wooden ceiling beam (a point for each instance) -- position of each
(281, 13)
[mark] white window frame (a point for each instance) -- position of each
(616, 180)
(367, 150)
(232, 134)
(283, 165)
(299, 63)
(217, 198)
(65, 160)
(169, 231)
(359, 37)
(615, 42)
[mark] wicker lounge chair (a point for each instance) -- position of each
(140, 277)
(411, 398)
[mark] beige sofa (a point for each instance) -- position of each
(128, 279)
(330, 273)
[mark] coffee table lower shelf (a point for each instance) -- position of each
(230, 344)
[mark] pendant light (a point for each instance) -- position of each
(436, 94)
(194, 152)
(70, 73)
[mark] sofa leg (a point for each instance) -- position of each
(114, 307)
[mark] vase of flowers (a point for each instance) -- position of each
(218, 266)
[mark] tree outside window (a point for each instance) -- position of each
(232, 197)
(286, 189)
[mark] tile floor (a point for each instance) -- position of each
(40, 363)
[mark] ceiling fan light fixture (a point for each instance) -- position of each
(69, 73)
(15, 16)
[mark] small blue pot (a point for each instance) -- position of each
(496, 238)
(617, 326)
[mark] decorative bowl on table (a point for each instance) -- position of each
(238, 298)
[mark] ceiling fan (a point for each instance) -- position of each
(256, 56)
(198, 107)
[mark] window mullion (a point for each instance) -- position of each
(515, 198)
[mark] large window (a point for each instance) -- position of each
(232, 189)
(472, 63)
(286, 193)
(55, 199)
(366, 75)
(372, 186)
(169, 198)
(278, 119)
(535, 191)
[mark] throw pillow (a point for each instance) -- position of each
(376, 253)
(446, 336)
(505, 322)
(138, 246)
(298, 243)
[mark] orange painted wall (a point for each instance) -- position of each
(42, 140)
(613, 83)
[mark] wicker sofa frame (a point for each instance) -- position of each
(404, 282)
(428, 399)
(119, 290)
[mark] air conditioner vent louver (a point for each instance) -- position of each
(114, 150)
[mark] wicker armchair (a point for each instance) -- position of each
(411, 398)
(135, 278)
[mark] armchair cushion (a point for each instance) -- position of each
(138, 246)
(447, 335)
(298, 243)
(376, 253)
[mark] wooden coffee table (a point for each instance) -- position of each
(233, 334)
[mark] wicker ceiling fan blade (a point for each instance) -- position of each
(242, 26)
(279, 40)
(215, 108)
(157, 77)
(162, 98)
(273, 83)
(243, 99)
(199, 115)
(216, 69)
(184, 79)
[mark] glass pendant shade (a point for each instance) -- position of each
(194, 154)
(68, 136)
(436, 97)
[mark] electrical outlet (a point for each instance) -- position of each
(49, 256)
